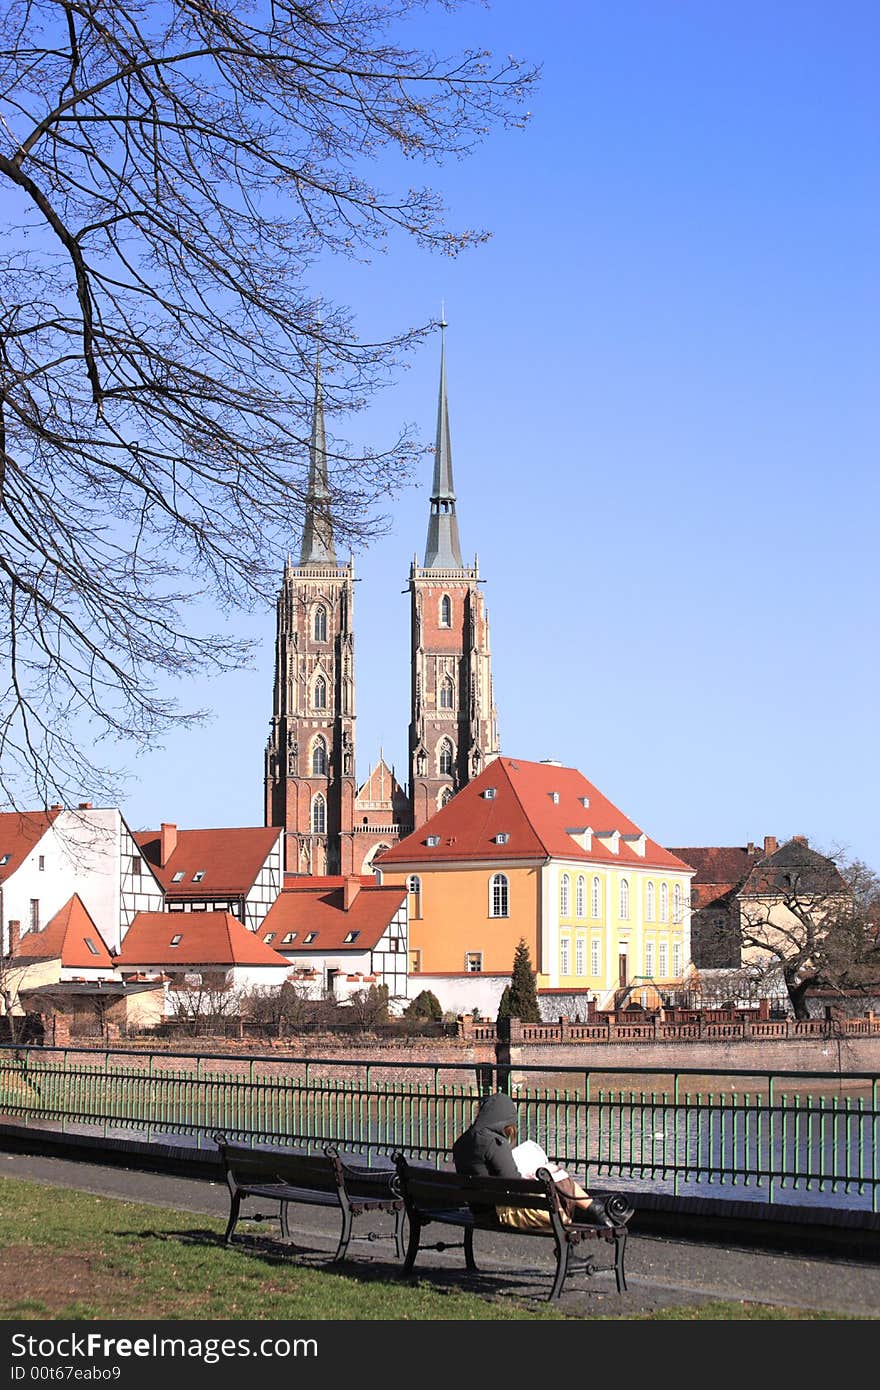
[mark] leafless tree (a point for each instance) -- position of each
(198, 1008)
(173, 171)
(369, 1006)
(281, 1008)
(808, 920)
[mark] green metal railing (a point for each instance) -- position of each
(776, 1133)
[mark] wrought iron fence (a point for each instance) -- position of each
(778, 1136)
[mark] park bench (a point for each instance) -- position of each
(452, 1199)
(285, 1176)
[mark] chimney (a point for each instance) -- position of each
(85, 806)
(800, 839)
(771, 844)
(168, 842)
(350, 890)
(750, 847)
(14, 935)
(56, 806)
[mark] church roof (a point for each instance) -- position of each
(317, 543)
(442, 550)
(225, 860)
(20, 831)
(381, 786)
(543, 809)
(192, 938)
(71, 937)
(299, 911)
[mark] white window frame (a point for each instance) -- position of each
(596, 898)
(676, 903)
(649, 959)
(650, 901)
(580, 898)
(663, 960)
(580, 956)
(499, 895)
(595, 957)
(473, 956)
(565, 897)
(623, 900)
(565, 955)
(664, 902)
(677, 955)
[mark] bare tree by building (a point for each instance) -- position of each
(171, 173)
(809, 919)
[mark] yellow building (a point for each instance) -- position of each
(534, 851)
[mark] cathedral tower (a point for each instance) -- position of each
(452, 732)
(310, 770)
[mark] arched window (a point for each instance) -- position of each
(446, 611)
(447, 693)
(649, 902)
(564, 897)
(676, 903)
(414, 886)
(596, 898)
(319, 758)
(499, 896)
(320, 628)
(319, 815)
(664, 902)
(447, 755)
(320, 693)
(580, 900)
(624, 899)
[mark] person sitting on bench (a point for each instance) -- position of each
(485, 1149)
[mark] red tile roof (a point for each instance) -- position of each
(20, 831)
(536, 805)
(230, 858)
(321, 910)
(721, 865)
(66, 938)
(206, 938)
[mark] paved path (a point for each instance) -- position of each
(661, 1272)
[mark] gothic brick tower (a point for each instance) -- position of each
(310, 771)
(452, 732)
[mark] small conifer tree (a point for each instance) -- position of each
(523, 991)
(504, 1005)
(425, 1005)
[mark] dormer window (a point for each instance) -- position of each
(91, 945)
(502, 837)
(309, 938)
(432, 841)
(176, 940)
(269, 937)
(198, 875)
(5, 858)
(489, 794)
(554, 797)
(288, 938)
(350, 938)
(179, 876)
(585, 802)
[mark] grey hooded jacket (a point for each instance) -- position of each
(484, 1150)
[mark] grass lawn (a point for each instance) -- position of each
(70, 1255)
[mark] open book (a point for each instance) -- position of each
(529, 1157)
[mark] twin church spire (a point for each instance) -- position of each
(332, 827)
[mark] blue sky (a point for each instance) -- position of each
(663, 399)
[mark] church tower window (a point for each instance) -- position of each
(447, 693)
(447, 758)
(446, 611)
(319, 758)
(319, 816)
(320, 693)
(320, 627)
